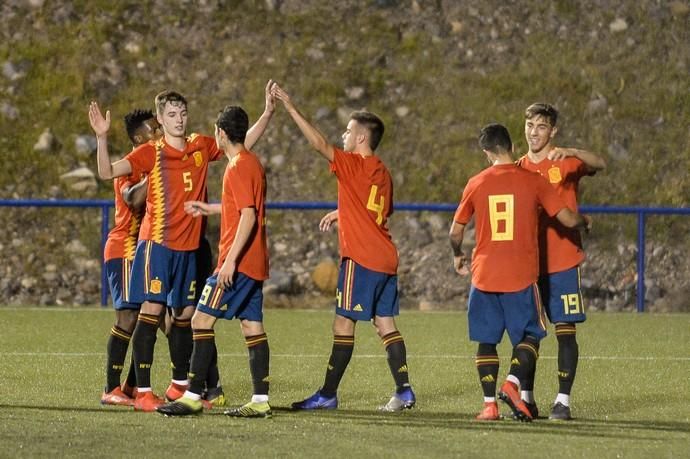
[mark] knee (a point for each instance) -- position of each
(126, 320)
(252, 328)
(384, 325)
(343, 326)
(185, 313)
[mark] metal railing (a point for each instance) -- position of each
(105, 206)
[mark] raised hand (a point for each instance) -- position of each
(270, 101)
(99, 124)
(280, 94)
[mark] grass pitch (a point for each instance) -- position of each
(630, 398)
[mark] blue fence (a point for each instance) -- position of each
(641, 212)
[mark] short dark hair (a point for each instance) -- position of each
(233, 120)
(372, 123)
(134, 120)
(166, 96)
(495, 136)
(546, 111)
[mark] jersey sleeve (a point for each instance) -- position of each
(141, 159)
(345, 164)
(581, 169)
(242, 178)
(465, 210)
(548, 197)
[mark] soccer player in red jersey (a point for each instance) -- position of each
(505, 201)
(235, 289)
(560, 248)
(164, 268)
(142, 127)
(367, 282)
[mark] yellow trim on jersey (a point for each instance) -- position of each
(130, 245)
(157, 197)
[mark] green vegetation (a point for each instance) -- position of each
(628, 400)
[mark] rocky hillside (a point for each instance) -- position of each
(436, 71)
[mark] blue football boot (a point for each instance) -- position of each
(317, 402)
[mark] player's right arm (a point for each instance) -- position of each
(573, 219)
(328, 220)
(313, 135)
(101, 126)
(554, 205)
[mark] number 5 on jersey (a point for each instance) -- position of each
(187, 179)
(376, 206)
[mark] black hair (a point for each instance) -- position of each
(233, 120)
(134, 120)
(494, 137)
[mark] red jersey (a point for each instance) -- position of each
(505, 200)
(365, 201)
(560, 248)
(174, 177)
(244, 185)
(122, 239)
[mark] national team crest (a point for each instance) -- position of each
(198, 159)
(156, 286)
(555, 175)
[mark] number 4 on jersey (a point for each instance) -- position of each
(375, 206)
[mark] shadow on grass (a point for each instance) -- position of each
(419, 419)
(634, 429)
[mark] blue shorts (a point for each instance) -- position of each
(118, 271)
(162, 275)
(562, 296)
(363, 293)
(243, 300)
(520, 313)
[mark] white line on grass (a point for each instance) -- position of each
(361, 356)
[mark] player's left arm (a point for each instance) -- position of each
(593, 161)
(244, 230)
(201, 208)
(314, 136)
(256, 131)
(456, 235)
